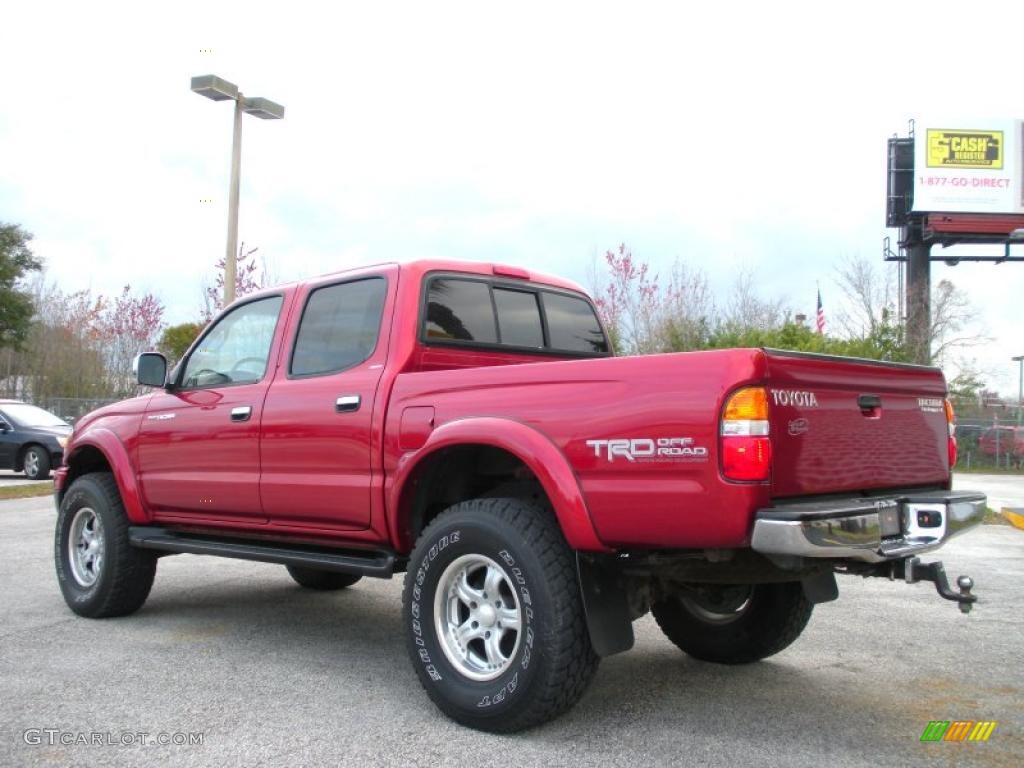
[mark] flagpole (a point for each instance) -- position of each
(819, 315)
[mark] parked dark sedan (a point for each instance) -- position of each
(31, 440)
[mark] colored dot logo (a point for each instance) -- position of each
(958, 730)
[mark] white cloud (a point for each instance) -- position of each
(743, 133)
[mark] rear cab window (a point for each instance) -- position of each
(470, 311)
(519, 318)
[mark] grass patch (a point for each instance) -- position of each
(992, 517)
(26, 491)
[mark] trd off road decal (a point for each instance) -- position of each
(647, 449)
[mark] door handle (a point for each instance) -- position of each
(241, 413)
(347, 403)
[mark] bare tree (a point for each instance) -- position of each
(687, 310)
(250, 276)
(746, 309)
(60, 357)
(81, 345)
(954, 322)
(869, 309)
(869, 298)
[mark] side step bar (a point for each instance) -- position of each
(377, 563)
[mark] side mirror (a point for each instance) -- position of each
(4, 426)
(151, 369)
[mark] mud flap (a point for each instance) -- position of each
(606, 607)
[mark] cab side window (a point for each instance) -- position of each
(236, 349)
(573, 324)
(339, 327)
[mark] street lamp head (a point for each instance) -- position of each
(213, 87)
(1018, 358)
(263, 108)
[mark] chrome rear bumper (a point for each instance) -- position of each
(870, 530)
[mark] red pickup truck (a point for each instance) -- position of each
(468, 425)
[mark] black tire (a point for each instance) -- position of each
(124, 574)
(551, 661)
(311, 578)
(771, 618)
(39, 468)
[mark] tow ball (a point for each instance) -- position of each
(913, 571)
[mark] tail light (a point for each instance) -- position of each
(746, 447)
(951, 425)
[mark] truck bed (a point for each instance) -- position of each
(643, 433)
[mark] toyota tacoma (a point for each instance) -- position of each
(468, 425)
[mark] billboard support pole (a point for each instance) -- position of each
(918, 299)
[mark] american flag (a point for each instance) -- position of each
(821, 315)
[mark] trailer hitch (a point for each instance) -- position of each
(913, 571)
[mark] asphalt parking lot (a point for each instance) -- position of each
(1002, 490)
(271, 674)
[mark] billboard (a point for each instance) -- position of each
(973, 167)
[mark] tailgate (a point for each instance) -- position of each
(841, 424)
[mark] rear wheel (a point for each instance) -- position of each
(36, 463)
(311, 578)
(100, 573)
(734, 624)
(494, 618)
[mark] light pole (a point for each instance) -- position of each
(1019, 359)
(218, 89)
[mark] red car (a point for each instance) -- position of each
(468, 425)
(1004, 441)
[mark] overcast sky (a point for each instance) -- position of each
(730, 135)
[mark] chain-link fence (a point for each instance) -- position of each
(990, 444)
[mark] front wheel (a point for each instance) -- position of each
(493, 616)
(100, 573)
(734, 624)
(327, 581)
